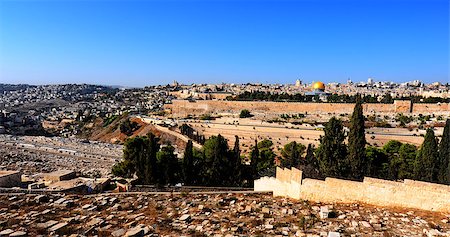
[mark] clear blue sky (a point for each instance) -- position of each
(137, 43)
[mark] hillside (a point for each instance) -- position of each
(112, 134)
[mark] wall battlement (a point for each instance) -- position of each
(407, 194)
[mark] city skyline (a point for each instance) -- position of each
(155, 42)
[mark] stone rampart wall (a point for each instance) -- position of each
(407, 194)
(183, 108)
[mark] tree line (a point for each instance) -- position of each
(353, 160)
(216, 164)
(333, 98)
(192, 133)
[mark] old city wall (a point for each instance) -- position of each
(408, 194)
(431, 108)
(183, 108)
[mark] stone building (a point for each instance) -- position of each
(9, 179)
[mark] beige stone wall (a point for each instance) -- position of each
(431, 108)
(182, 108)
(402, 106)
(408, 194)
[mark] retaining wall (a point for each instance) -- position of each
(408, 194)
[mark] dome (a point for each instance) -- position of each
(319, 86)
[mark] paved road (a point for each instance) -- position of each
(178, 135)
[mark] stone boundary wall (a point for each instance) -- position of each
(182, 108)
(407, 194)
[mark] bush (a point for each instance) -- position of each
(206, 117)
(245, 114)
(127, 127)
(119, 170)
(109, 120)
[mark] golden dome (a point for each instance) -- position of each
(319, 86)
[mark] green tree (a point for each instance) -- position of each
(151, 164)
(311, 166)
(122, 169)
(387, 99)
(392, 147)
(406, 155)
(357, 142)
(254, 157)
(332, 151)
(199, 177)
(131, 150)
(245, 114)
(237, 167)
(139, 157)
(377, 163)
(266, 159)
(217, 162)
(188, 164)
(392, 151)
(444, 155)
(168, 166)
(292, 155)
(425, 167)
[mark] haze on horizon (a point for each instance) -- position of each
(138, 43)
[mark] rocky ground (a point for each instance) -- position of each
(206, 215)
(33, 155)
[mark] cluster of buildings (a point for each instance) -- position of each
(63, 109)
(371, 87)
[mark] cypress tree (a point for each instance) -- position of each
(188, 164)
(168, 166)
(127, 167)
(425, 167)
(254, 156)
(143, 159)
(332, 151)
(444, 156)
(311, 165)
(309, 158)
(151, 164)
(237, 162)
(357, 142)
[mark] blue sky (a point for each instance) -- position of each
(137, 43)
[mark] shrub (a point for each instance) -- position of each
(245, 114)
